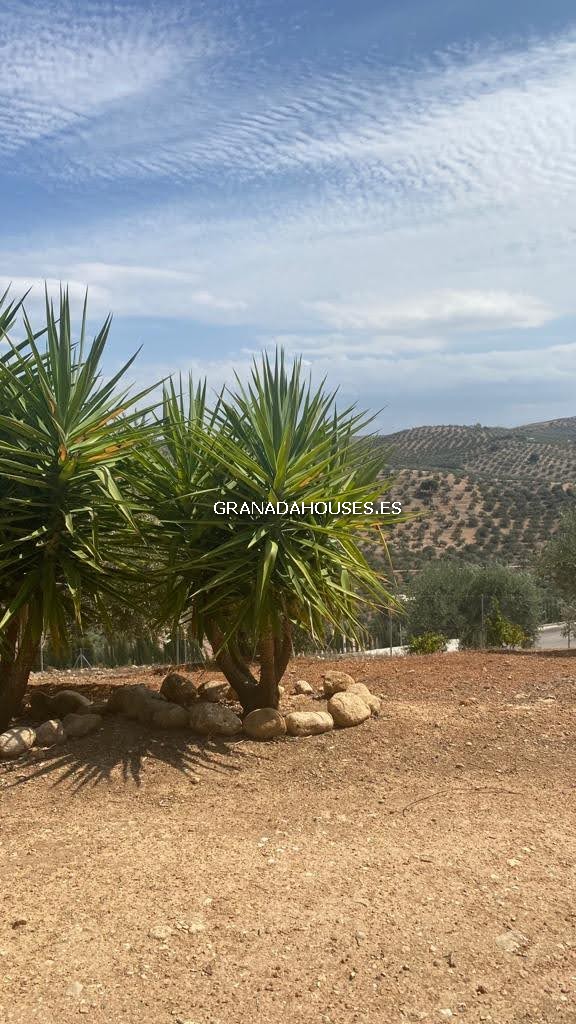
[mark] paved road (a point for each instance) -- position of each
(550, 638)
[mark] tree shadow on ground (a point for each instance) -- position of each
(120, 750)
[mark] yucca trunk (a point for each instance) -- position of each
(19, 651)
(274, 653)
(268, 684)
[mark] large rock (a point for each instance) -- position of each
(374, 703)
(308, 723)
(336, 682)
(65, 702)
(264, 724)
(169, 716)
(50, 733)
(178, 689)
(16, 741)
(80, 725)
(98, 707)
(302, 686)
(348, 709)
(118, 700)
(213, 690)
(146, 707)
(136, 701)
(213, 719)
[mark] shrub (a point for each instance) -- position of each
(500, 632)
(427, 643)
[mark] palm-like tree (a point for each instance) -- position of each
(66, 524)
(256, 575)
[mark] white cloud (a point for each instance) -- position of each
(130, 291)
(408, 386)
(38, 286)
(473, 310)
(457, 175)
(317, 346)
(404, 210)
(61, 69)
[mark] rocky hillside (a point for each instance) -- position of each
(481, 493)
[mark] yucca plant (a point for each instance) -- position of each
(66, 525)
(246, 579)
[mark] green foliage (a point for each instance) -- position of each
(67, 530)
(427, 643)
(63, 435)
(102, 505)
(568, 612)
(434, 598)
(452, 597)
(260, 574)
(500, 632)
(558, 561)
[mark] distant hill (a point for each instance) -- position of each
(488, 493)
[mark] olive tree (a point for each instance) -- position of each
(558, 560)
(456, 598)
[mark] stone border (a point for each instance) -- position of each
(180, 704)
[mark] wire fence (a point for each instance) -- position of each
(180, 650)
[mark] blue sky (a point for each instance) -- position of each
(387, 188)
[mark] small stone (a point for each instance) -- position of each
(161, 932)
(348, 709)
(337, 682)
(302, 686)
(74, 989)
(445, 1013)
(513, 863)
(512, 942)
(264, 724)
(16, 741)
(308, 723)
(50, 733)
(80, 725)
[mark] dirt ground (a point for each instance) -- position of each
(364, 875)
